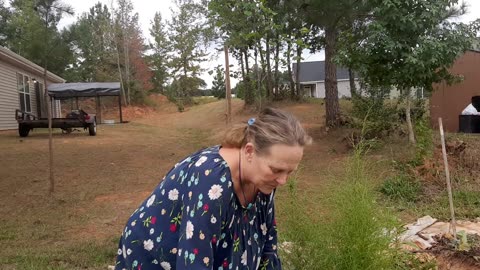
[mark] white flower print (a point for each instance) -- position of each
(133, 223)
(174, 251)
(129, 251)
(165, 265)
(164, 211)
(244, 258)
(215, 192)
(173, 194)
(152, 231)
(200, 161)
(124, 252)
(213, 220)
(151, 200)
(189, 230)
(142, 214)
(119, 252)
(264, 228)
(155, 262)
(270, 238)
(163, 192)
(225, 245)
(148, 245)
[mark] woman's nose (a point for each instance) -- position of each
(282, 179)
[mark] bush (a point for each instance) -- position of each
(373, 115)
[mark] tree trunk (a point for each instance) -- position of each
(298, 91)
(289, 70)
(242, 66)
(123, 94)
(269, 67)
(331, 91)
(51, 187)
(353, 88)
(228, 93)
(249, 99)
(411, 134)
(262, 65)
(277, 60)
(259, 79)
(127, 62)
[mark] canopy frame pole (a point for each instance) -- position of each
(120, 108)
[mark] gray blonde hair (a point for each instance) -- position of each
(272, 126)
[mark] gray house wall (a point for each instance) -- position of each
(10, 65)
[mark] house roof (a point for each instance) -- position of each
(315, 71)
(19, 61)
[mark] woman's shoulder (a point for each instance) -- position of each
(201, 156)
(206, 165)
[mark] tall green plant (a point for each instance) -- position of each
(354, 235)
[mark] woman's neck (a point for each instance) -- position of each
(236, 163)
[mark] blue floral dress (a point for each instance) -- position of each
(194, 220)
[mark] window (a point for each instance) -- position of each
(23, 87)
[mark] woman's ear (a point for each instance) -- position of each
(249, 151)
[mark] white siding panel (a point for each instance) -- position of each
(320, 90)
(9, 100)
(343, 89)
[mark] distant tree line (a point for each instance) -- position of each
(396, 43)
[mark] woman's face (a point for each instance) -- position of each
(271, 169)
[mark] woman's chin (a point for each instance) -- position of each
(266, 190)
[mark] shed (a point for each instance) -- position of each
(448, 101)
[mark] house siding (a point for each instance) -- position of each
(9, 95)
(343, 89)
(9, 100)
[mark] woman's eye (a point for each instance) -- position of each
(276, 170)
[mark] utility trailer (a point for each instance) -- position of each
(76, 118)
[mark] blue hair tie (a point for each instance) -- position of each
(251, 121)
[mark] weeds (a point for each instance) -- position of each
(354, 235)
(401, 188)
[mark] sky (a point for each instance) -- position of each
(146, 10)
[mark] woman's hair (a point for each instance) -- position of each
(272, 126)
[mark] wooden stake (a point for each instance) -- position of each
(449, 185)
(227, 86)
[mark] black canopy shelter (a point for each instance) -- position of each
(62, 91)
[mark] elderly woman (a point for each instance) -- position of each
(215, 209)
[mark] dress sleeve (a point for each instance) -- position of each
(270, 259)
(203, 215)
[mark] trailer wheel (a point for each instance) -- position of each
(23, 130)
(92, 128)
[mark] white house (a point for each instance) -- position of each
(312, 79)
(21, 87)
